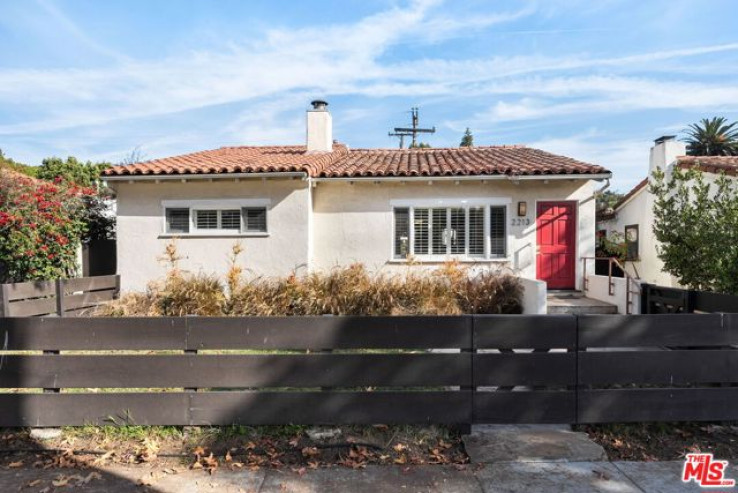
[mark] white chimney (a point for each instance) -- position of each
(319, 128)
(664, 153)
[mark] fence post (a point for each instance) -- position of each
(466, 428)
(690, 296)
(116, 293)
(59, 283)
(4, 300)
(189, 351)
(645, 305)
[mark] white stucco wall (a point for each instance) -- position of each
(639, 210)
(331, 224)
(353, 222)
(598, 288)
(535, 296)
(141, 241)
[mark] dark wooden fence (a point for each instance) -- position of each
(660, 299)
(332, 370)
(62, 297)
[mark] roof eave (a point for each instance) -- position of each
(206, 176)
(569, 176)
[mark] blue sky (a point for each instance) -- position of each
(594, 80)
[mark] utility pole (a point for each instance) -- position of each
(413, 131)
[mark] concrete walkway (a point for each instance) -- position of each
(500, 477)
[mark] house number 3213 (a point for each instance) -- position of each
(520, 221)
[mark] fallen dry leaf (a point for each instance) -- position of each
(60, 481)
(16, 464)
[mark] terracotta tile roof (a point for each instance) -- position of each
(632, 192)
(710, 164)
(498, 160)
(458, 161)
(264, 159)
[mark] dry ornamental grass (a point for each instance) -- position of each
(352, 290)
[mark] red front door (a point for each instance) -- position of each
(556, 235)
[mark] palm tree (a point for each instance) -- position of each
(712, 137)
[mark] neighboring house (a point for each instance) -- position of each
(320, 205)
(633, 215)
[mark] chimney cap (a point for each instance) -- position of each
(664, 138)
(319, 104)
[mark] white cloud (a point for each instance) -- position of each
(626, 158)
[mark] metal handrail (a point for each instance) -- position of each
(629, 280)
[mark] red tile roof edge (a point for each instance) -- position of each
(631, 193)
(710, 164)
(345, 163)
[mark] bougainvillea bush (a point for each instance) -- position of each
(41, 224)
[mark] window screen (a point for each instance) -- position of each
(476, 231)
(402, 232)
(255, 219)
(421, 231)
(497, 231)
(457, 231)
(206, 219)
(178, 220)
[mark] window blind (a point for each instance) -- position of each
(255, 219)
(476, 231)
(177, 220)
(402, 232)
(421, 228)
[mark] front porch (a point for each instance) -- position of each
(576, 303)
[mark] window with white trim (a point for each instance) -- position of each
(437, 232)
(207, 219)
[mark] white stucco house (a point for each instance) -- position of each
(319, 205)
(633, 215)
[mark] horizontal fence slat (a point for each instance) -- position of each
(31, 308)
(653, 330)
(628, 405)
(87, 300)
(341, 332)
(541, 369)
(715, 302)
(165, 408)
(226, 408)
(93, 334)
(275, 408)
(223, 371)
(538, 406)
(90, 283)
(658, 367)
(524, 331)
(33, 289)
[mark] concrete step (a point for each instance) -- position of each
(530, 443)
(564, 304)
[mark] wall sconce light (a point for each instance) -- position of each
(522, 209)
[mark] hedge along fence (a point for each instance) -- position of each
(275, 370)
(63, 297)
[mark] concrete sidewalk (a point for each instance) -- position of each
(499, 477)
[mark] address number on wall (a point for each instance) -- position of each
(520, 221)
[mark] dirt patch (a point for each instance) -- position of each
(239, 447)
(665, 441)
